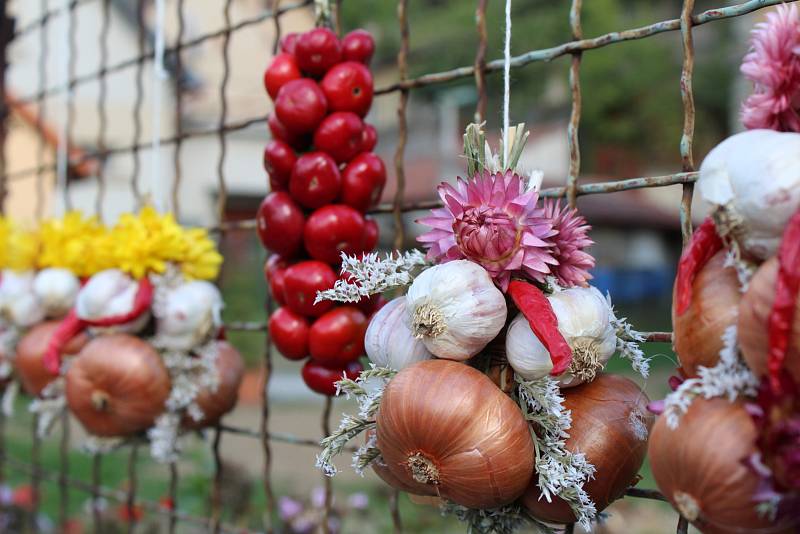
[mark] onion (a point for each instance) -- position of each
(215, 404)
(117, 385)
(700, 467)
(30, 352)
(445, 426)
(384, 474)
(698, 331)
(754, 311)
(610, 425)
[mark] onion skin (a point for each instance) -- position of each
(754, 311)
(700, 467)
(445, 426)
(117, 386)
(384, 474)
(29, 361)
(713, 308)
(604, 429)
(230, 367)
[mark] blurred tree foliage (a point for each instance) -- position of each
(631, 98)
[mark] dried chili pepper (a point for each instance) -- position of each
(72, 325)
(543, 321)
(781, 317)
(704, 244)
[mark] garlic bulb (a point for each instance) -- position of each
(57, 289)
(752, 179)
(455, 309)
(585, 321)
(190, 316)
(389, 342)
(109, 293)
(18, 303)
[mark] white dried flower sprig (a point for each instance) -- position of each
(367, 390)
(374, 274)
(504, 520)
(561, 472)
(744, 270)
(97, 445)
(730, 378)
(629, 342)
(49, 406)
(9, 396)
(165, 447)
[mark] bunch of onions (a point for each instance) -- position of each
(713, 308)
(753, 330)
(29, 361)
(610, 425)
(217, 402)
(444, 428)
(117, 386)
(701, 467)
(752, 181)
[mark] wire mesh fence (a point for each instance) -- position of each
(47, 96)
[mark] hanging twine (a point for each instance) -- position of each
(507, 86)
(156, 184)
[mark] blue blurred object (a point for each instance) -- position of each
(633, 284)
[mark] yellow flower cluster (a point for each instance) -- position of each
(138, 244)
(146, 242)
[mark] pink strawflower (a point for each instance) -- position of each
(494, 222)
(572, 237)
(773, 65)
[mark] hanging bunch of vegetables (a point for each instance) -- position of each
(323, 178)
(736, 330)
(142, 321)
(487, 388)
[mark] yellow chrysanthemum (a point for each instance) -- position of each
(201, 260)
(5, 236)
(22, 248)
(73, 242)
(144, 243)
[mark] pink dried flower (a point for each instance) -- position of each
(494, 222)
(572, 237)
(773, 65)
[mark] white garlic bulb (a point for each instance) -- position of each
(57, 289)
(752, 180)
(455, 309)
(389, 342)
(585, 319)
(191, 315)
(110, 293)
(18, 303)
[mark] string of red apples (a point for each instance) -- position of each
(323, 177)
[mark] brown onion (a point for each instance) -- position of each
(700, 466)
(698, 331)
(30, 351)
(215, 404)
(610, 424)
(445, 426)
(117, 385)
(754, 313)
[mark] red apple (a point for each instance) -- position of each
(302, 281)
(348, 87)
(332, 230)
(279, 223)
(341, 135)
(317, 51)
(315, 180)
(301, 106)
(362, 181)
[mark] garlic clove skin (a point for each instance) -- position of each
(525, 353)
(191, 315)
(57, 289)
(107, 294)
(584, 319)
(389, 342)
(455, 309)
(753, 179)
(18, 303)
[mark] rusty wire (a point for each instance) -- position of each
(480, 68)
(41, 113)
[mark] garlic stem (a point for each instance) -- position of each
(422, 469)
(428, 321)
(586, 361)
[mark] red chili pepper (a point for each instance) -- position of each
(704, 244)
(72, 325)
(540, 315)
(781, 317)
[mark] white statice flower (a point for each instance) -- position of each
(164, 444)
(49, 406)
(629, 342)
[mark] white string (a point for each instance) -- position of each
(160, 74)
(507, 84)
(59, 205)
